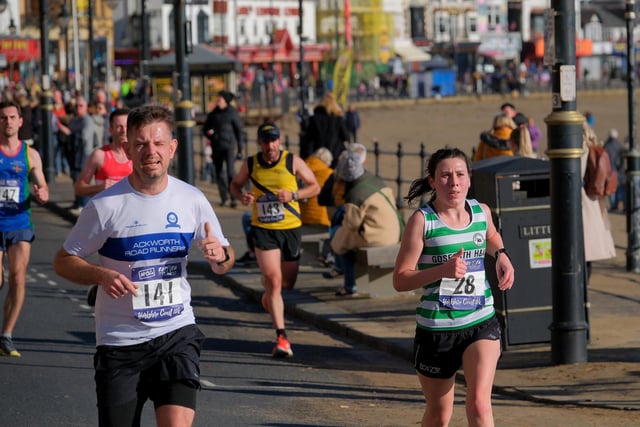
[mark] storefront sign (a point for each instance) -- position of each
(19, 49)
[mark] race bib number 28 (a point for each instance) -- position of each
(466, 293)
(159, 296)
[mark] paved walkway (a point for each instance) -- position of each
(610, 379)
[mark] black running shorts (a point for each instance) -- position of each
(165, 370)
(288, 241)
(439, 354)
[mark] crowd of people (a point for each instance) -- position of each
(515, 134)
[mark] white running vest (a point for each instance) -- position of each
(146, 238)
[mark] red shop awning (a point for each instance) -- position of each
(20, 49)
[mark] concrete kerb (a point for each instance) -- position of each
(310, 309)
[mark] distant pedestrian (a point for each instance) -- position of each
(591, 119)
(443, 250)
(597, 239)
(520, 143)
(352, 120)
(616, 151)
(495, 142)
(510, 110)
(535, 133)
(84, 139)
(327, 128)
(223, 128)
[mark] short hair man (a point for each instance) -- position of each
(19, 166)
(275, 221)
(143, 227)
(107, 164)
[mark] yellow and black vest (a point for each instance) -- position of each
(267, 179)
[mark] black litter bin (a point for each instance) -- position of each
(517, 191)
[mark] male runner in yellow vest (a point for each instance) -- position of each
(275, 221)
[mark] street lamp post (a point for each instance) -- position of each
(111, 4)
(46, 99)
(303, 106)
(183, 105)
(144, 41)
(63, 21)
(568, 327)
(91, 53)
(633, 156)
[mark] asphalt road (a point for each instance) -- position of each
(329, 382)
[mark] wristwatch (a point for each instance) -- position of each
(501, 251)
(226, 256)
(294, 196)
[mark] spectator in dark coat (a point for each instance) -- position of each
(616, 152)
(352, 120)
(223, 127)
(327, 128)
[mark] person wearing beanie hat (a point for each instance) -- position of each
(366, 217)
(224, 130)
(274, 174)
(227, 96)
(349, 167)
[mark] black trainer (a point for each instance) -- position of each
(247, 259)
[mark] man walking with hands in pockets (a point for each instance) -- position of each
(148, 345)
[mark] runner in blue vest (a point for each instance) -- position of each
(20, 166)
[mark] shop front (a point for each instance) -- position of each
(16, 53)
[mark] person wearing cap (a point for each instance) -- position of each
(275, 222)
(223, 128)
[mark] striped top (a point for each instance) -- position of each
(448, 303)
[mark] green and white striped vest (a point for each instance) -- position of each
(451, 304)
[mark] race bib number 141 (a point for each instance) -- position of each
(159, 296)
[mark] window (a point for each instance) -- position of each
(494, 16)
(471, 26)
(593, 29)
(172, 34)
(442, 26)
(417, 22)
(203, 27)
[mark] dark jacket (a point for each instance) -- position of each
(352, 120)
(224, 129)
(616, 153)
(325, 130)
